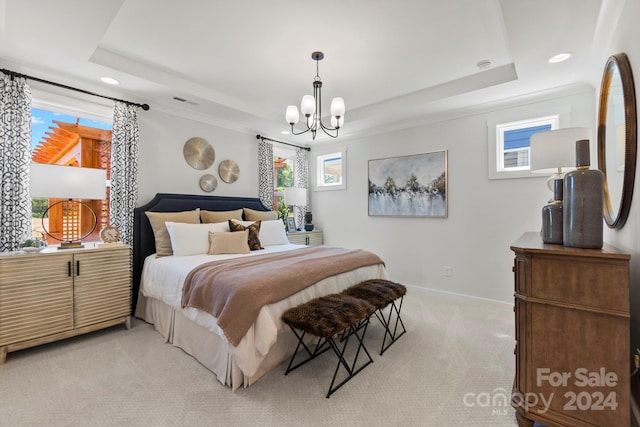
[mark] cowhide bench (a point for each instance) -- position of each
(383, 293)
(326, 317)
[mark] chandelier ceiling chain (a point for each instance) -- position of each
(311, 107)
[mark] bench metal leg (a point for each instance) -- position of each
(323, 344)
(351, 369)
(394, 316)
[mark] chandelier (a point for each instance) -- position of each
(311, 107)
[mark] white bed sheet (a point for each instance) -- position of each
(163, 279)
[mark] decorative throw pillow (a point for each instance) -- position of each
(254, 233)
(220, 216)
(160, 232)
(230, 242)
(192, 239)
(273, 233)
(253, 215)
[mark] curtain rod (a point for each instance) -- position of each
(264, 138)
(14, 74)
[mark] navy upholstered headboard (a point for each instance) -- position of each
(143, 240)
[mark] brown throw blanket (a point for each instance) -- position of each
(235, 290)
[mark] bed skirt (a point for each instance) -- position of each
(209, 349)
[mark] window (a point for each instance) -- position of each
(510, 143)
(72, 140)
(331, 170)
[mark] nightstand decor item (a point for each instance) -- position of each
(308, 218)
(583, 198)
(198, 153)
(75, 220)
(552, 216)
(553, 153)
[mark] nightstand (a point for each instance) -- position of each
(57, 294)
(309, 238)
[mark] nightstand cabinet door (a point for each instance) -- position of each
(308, 238)
(36, 296)
(102, 286)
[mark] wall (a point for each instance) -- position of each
(484, 216)
(620, 33)
(163, 169)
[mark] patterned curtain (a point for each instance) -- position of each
(124, 169)
(301, 179)
(15, 157)
(265, 173)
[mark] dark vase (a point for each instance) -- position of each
(308, 226)
(583, 196)
(552, 216)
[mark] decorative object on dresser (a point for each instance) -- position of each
(553, 153)
(110, 234)
(198, 153)
(77, 218)
(583, 200)
(311, 107)
(617, 138)
(572, 335)
(413, 185)
(552, 216)
(54, 295)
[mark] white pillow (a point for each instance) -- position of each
(273, 233)
(192, 239)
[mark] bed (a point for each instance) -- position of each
(158, 283)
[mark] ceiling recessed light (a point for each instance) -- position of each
(285, 132)
(559, 57)
(109, 80)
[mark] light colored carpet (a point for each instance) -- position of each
(457, 352)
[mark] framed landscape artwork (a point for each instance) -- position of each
(411, 186)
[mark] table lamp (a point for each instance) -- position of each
(296, 197)
(72, 184)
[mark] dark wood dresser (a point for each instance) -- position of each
(572, 335)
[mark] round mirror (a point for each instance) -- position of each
(617, 143)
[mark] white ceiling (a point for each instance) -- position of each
(240, 63)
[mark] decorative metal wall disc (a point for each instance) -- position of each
(198, 153)
(208, 183)
(229, 171)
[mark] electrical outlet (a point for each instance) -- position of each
(447, 270)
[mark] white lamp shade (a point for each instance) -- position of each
(308, 105)
(555, 150)
(337, 107)
(67, 182)
(295, 196)
(292, 114)
(337, 123)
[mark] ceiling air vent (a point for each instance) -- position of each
(179, 99)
